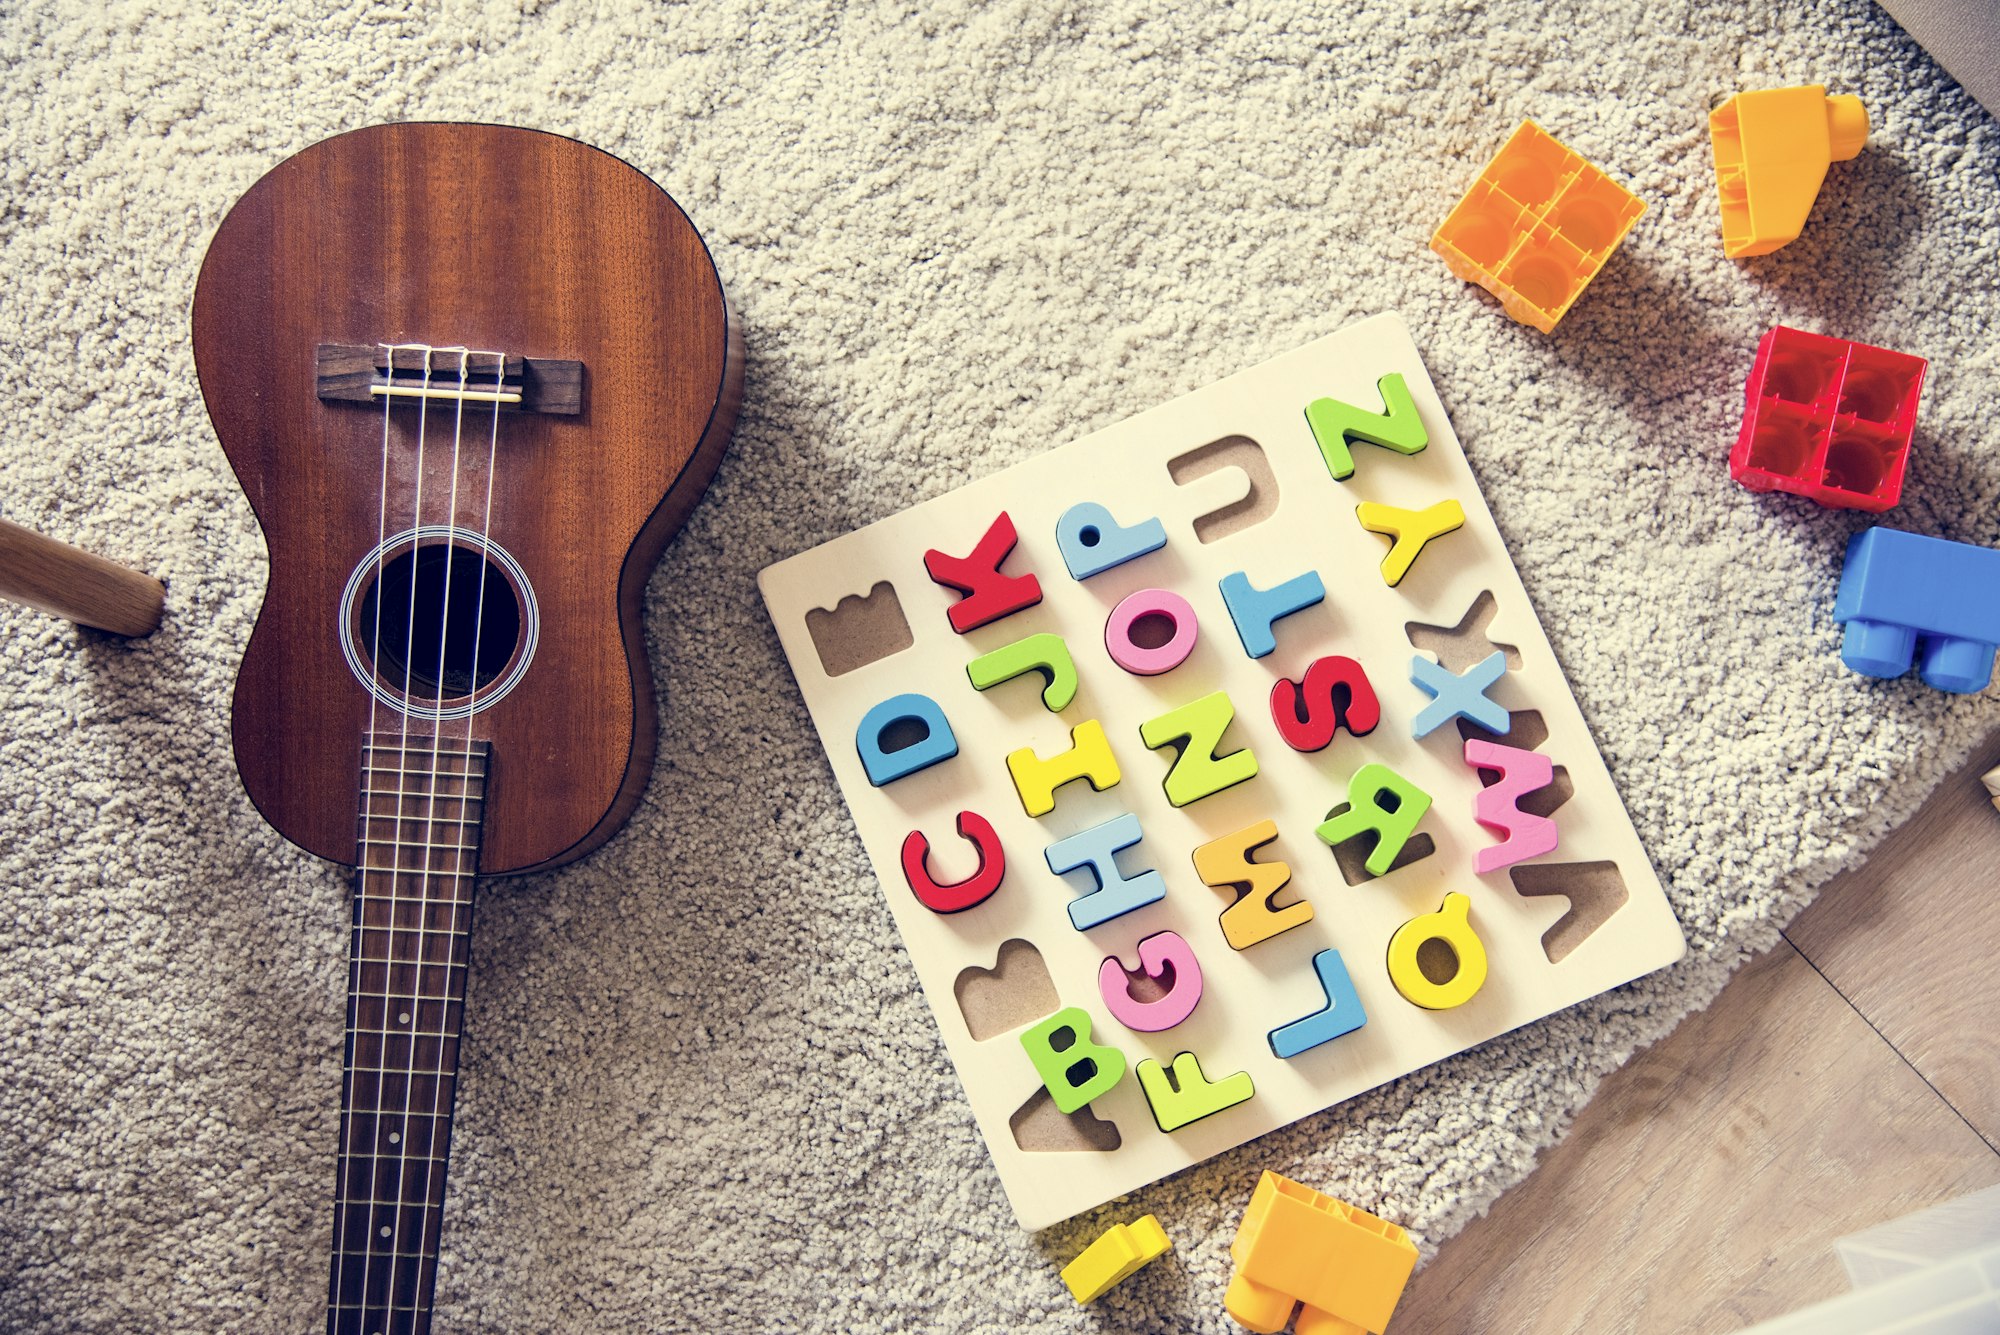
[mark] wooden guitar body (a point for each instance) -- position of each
(471, 379)
(491, 238)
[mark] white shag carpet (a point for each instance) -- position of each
(700, 1088)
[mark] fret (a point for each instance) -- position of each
(436, 887)
(410, 1072)
(403, 795)
(402, 1052)
(421, 998)
(420, 963)
(372, 1011)
(379, 1182)
(413, 913)
(422, 861)
(457, 806)
(425, 980)
(405, 945)
(423, 748)
(424, 820)
(418, 1133)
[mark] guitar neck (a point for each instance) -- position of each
(420, 816)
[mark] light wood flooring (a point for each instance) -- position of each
(1846, 1078)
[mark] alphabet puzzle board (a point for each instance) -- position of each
(1167, 851)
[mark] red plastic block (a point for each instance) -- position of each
(988, 594)
(1828, 419)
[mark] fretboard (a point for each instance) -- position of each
(407, 954)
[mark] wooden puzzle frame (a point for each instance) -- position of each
(1239, 464)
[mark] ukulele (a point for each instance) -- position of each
(471, 379)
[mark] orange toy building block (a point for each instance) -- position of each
(1772, 150)
(1536, 226)
(1297, 1245)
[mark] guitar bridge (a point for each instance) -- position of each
(415, 373)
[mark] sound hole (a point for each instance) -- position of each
(447, 622)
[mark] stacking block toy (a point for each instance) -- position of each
(988, 595)
(1297, 1245)
(1897, 587)
(1255, 915)
(1156, 604)
(1828, 419)
(1255, 610)
(1092, 542)
(1097, 848)
(959, 896)
(1169, 961)
(1073, 1069)
(1119, 1252)
(1197, 727)
(1455, 696)
(1342, 1014)
(1184, 1094)
(885, 766)
(1370, 795)
(1523, 834)
(1536, 226)
(1089, 757)
(1334, 694)
(1044, 653)
(1408, 531)
(1451, 926)
(1397, 427)
(1772, 149)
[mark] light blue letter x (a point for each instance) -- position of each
(1458, 697)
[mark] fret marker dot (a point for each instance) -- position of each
(404, 1018)
(385, 1230)
(395, 1138)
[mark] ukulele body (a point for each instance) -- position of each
(490, 238)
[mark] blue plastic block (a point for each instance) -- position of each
(1092, 542)
(1116, 894)
(1458, 697)
(1342, 1013)
(1897, 587)
(1254, 610)
(936, 744)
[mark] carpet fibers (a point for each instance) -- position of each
(700, 1087)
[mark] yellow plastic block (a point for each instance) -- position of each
(1408, 531)
(1772, 149)
(1451, 926)
(1536, 226)
(1297, 1245)
(1115, 1257)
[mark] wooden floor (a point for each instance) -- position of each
(1850, 1076)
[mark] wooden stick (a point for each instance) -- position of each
(55, 577)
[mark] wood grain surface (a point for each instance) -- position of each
(509, 240)
(52, 576)
(1912, 937)
(1704, 1186)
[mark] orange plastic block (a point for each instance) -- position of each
(1297, 1245)
(1536, 226)
(1772, 149)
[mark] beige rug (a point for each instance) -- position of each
(701, 1090)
